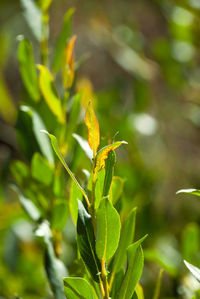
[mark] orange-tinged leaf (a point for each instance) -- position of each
(102, 155)
(68, 63)
(93, 128)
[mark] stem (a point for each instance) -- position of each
(104, 279)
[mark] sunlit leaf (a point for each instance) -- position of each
(27, 204)
(44, 4)
(28, 69)
(126, 238)
(194, 270)
(107, 229)
(57, 151)
(46, 86)
(68, 63)
(62, 39)
(139, 291)
(84, 145)
(93, 129)
(102, 154)
(158, 285)
(41, 170)
(33, 16)
(77, 287)
(86, 242)
(75, 195)
(190, 191)
(134, 270)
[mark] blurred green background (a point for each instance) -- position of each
(142, 61)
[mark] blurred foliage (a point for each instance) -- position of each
(139, 62)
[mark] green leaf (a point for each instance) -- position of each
(190, 191)
(33, 16)
(60, 214)
(48, 92)
(139, 291)
(126, 238)
(74, 115)
(190, 242)
(42, 139)
(41, 170)
(76, 287)
(117, 283)
(57, 151)
(134, 270)
(98, 188)
(109, 169)
(75, 195)
(62, 40)
(116, 189)
(55, 269)
(84, 145)
(158, 285)
(20, 171)
(27, 204)
(107, 229)
(86, 242)
(194, 270)
(44, 4)
(27, 68)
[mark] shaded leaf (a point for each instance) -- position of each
(68, 63)
(41, 170)
(194, 270)
(109, 170)
(190, 242)
(62, 39)
(93, 128)
(75, 195)
(27, 204)
(60, 214)
(126, 238)
(134, 270)
(107, 229)
(33, 16)
(46, 87)
(158, 285)
(86, 242)
(74, 115)
(27, 68)
(20, 171)
(76, 287)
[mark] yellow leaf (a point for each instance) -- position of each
(93, 128)
(102, 155)
(68, 63)
(84, 86)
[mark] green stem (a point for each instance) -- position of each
(104, 279)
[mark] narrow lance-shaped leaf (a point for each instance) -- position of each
(194, 270)
(84, 145)
(190, 191)
(134, 270)
(86, 242)
(139, 291)
(77, 287)
(57, 151)
(63, 37)
(27, 68)
(33, 16)
(46, 86)
(158, 285)
(107, 229)
(93, 128)
(102, 155)
(109, 169)
(68, 63)
(126, 238)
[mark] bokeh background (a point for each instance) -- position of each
(141, 59)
